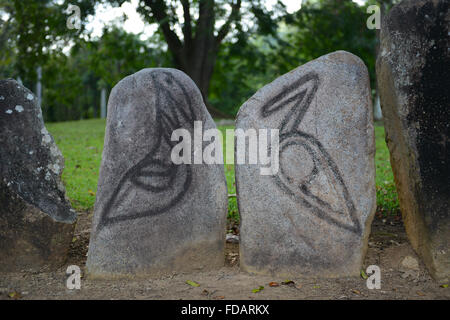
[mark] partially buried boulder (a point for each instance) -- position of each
(413, 77)
(36, 220)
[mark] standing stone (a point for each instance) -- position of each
(36, 220)
(313, 216)
(152, 216)
(413, 76)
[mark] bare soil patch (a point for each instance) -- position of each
(388, 246)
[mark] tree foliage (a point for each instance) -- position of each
(40, 30)
(195, 30)
(230, 48)
(325, 26)
(320, 27)
(74, 81)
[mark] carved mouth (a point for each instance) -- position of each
(148, 184)
(155, 176)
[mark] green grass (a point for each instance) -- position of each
(387, 201)
(81, 143)
(233, 212)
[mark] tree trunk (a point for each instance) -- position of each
(200, 53)
(201, 74)
(196, 55)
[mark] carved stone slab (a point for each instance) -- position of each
(152, 216)
(313, 216)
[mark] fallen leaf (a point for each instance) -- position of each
(298, 286)
(258, 290)
(444, 286)
(92, 193)
(364, 275)
(420, 293)
(219, 297)
(14, 295)
(74, 239)
(192, 283)
(356, 291)
(274, 284)
(288, 283)
(316, 287)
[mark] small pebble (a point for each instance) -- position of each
(232, 238)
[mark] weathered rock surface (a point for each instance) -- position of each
(153, 217)
(36, 220)
(413, 77)
(313, 216)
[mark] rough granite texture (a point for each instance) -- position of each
(313, 217)
(413, 72)
(36, 220)
(153, 217)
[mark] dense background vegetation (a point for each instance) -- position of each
(250, 46)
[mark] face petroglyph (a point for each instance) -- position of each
(153, 216)
(156, 173)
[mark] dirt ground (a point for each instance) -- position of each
(388, 246)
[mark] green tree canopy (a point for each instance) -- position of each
(194, 37)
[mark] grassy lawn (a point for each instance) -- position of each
(387, 200)
(81, 143)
